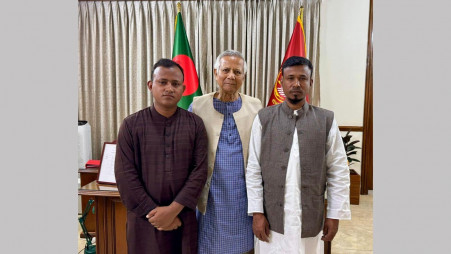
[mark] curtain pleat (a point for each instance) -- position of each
(119, 41)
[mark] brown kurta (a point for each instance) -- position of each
(160, 160)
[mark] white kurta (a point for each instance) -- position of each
(338, 193)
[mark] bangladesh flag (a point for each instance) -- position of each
(181, 53)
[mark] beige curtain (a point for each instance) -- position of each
(120, 40)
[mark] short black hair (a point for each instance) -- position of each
(297, 60)
(168, 63)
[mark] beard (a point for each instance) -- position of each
(296, 100)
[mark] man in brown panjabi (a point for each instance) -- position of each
(161, 168)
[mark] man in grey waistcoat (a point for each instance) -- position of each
(295, 154)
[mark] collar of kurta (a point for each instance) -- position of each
(227, 107)
(290, 112)
(154, 113)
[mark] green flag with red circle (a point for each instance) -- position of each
(181, 54)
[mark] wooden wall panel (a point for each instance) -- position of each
(367, 140)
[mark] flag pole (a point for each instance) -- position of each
(301, 16)
(301, 13)
(179, 9)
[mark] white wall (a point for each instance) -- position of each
(343, 50)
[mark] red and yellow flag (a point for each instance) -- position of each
(296, 47)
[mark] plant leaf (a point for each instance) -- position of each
(353, 142)
(346, 139)
(351, 148)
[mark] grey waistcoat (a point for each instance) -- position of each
(313, 125)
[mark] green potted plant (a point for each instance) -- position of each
(350, 149)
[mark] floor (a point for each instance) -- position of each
(353, 237)
(356, 235)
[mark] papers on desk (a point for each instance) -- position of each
(106, 171)
(107, 188)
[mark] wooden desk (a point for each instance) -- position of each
(111, 217)
(86, 176)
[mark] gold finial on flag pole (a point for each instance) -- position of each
(179, 7)
(301, 12)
